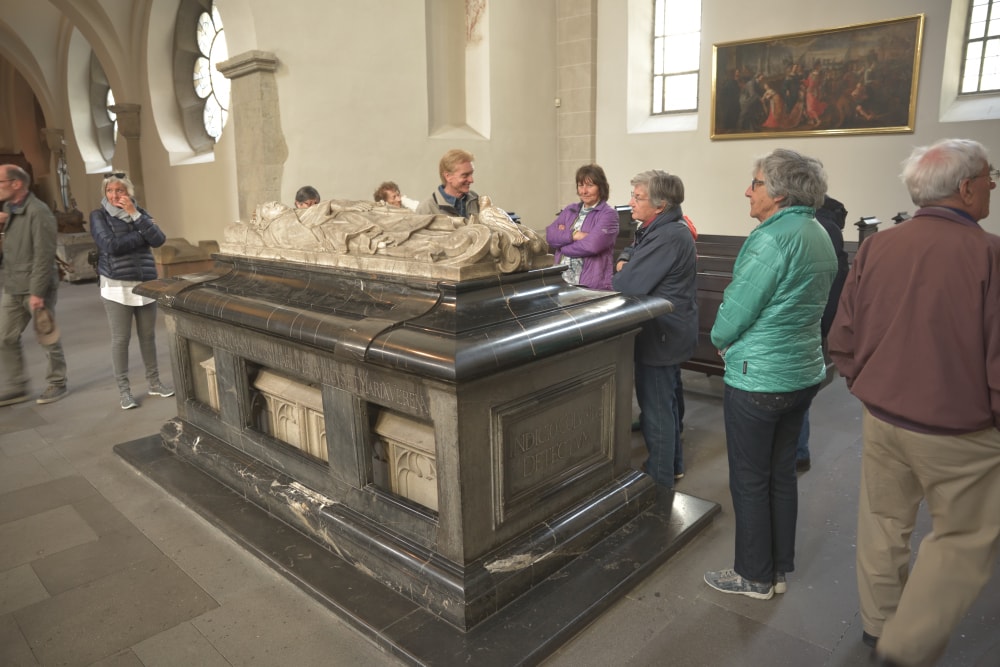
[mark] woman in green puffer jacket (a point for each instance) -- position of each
(768, 333)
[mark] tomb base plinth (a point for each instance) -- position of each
(457, 442)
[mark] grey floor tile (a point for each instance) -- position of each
(126, 658)
(295, 630)
(18, 472)
(55, 530)
(179, 646)
(16, 419)
(100, 619)
(112, 552)
(20, 587)
(22, 442)
(48, 495)
(53, 462)
(14, 649)
(625, 629)
(716, 637)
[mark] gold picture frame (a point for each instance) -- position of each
(859, 79)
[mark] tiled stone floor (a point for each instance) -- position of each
(99, 566)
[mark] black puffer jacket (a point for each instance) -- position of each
(124, 246)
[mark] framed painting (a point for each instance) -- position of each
(859, 79)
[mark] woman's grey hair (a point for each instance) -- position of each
(664, 189)
(115, 178)
(800, 179)
(935, 172)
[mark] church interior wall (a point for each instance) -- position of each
(352, 84)
(863, 169)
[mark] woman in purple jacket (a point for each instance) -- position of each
(583, 235)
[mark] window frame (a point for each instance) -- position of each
(992, 13)
(658, 79)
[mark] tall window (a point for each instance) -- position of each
(981, 67)
(209, 84)
(676, 55)
(112, 116)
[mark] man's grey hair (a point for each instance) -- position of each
(800, 179)
(663, 189)
(18, 174)
(935, 172)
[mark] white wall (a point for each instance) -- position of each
(353, 93)
(863, 169)
(353, 110)
(353, 107)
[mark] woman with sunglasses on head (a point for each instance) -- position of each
(124, 234)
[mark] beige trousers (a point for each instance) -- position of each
(914, 612)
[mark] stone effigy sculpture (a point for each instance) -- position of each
(364, 235)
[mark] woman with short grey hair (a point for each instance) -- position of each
(768, 332)
(664, 189)
(792, 179)
(124, 234)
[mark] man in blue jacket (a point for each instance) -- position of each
(661, 262)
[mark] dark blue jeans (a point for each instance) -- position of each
(762, 431)
(802, 448)
(655, 391)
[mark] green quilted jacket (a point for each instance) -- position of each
(768, 323)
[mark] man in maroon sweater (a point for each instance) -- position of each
(917, 337)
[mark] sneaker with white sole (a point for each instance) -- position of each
(727, 581)
(160, 389)
(780, 583)
(128, 402)
(52, 394)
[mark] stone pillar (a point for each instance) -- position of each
(260, 144)
(53, 142)
(576, 90)
(128, 127)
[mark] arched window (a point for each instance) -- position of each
(209, 84)
(112, 116)
(202, 92)
(104, 120)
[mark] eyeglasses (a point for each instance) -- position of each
(992, 174)
(638, 198)
(7, 180)
(115, 174)
(754, 183)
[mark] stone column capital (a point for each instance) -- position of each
(128, 119)
(52, 138)
(249, 62)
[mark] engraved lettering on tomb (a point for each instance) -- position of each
(550, 443)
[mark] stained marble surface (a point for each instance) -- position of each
(444, 330)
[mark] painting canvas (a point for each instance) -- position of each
(856, 79)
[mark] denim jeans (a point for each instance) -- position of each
(120, 321)
(657, 398)
(802, 447)
(762, 430)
